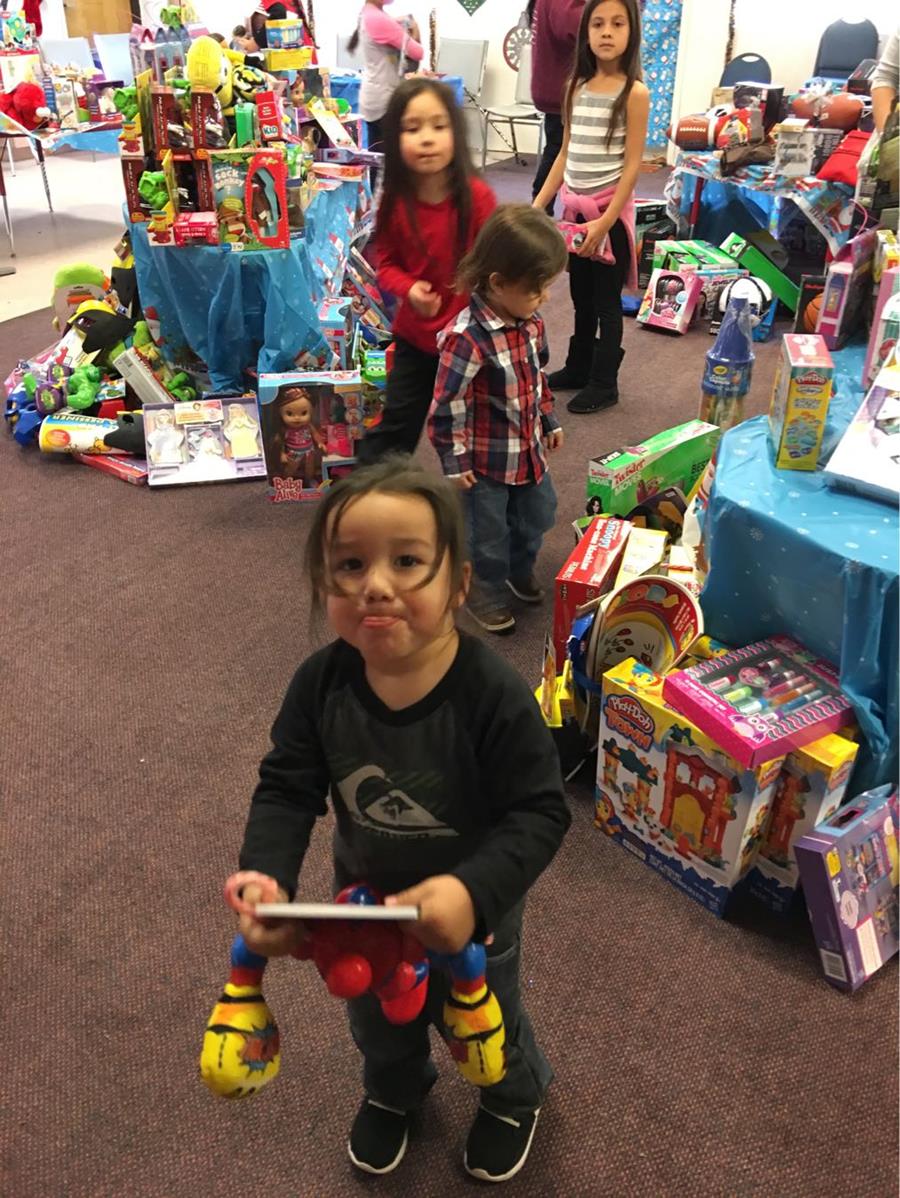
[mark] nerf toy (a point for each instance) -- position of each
(241, 1045)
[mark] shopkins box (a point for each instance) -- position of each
(619, 481)
(588, 574)
(867, 457)
(668, 793)
(250, 191)
(801, 394)
(310, 424)
(849, 872)
(810, 788)
(763, 700)
(670, 300)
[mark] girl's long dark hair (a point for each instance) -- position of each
(586, 64)
(398, 186)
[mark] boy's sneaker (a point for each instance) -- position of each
(498, 1145)
(378, 1137)
(526, 589)
(495, 619)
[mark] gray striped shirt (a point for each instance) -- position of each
(590, 166)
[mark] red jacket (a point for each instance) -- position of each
(404, 255)
(553, 51)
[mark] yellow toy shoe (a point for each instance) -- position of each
(240, 1051)
(473, 1019)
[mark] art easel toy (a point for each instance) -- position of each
(241, 1044)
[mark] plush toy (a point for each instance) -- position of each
(25, 104)
(210, 65)
(84, 383)
(241, 1044)
(72, 286)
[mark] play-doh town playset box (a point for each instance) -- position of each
(849, 871)
(810, 788)
(311, 421)
(800, 398)
(621, 480)
(670, 795)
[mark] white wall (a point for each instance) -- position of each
(53, 19)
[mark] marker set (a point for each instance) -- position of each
(761, 701)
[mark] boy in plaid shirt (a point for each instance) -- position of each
(492, 417)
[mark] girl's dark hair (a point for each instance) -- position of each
(396, 474)
(517, 242)
(398, 178)
(586, 63)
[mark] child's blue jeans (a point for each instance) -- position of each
(506, 525)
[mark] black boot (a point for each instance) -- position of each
(602, 390)
(577, 369)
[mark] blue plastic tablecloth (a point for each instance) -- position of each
(346, 87)
(240, 309)
(789, 554)
(97, 140)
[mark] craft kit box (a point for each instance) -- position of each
(588, 574)
(801, 394)
(849, 871)
(810, 788)
(672, 796)
(676, 457)
(311, 421)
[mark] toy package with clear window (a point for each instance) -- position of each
(208, 440)
(250, 194)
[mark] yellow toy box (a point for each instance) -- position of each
(671, 796)
(810, 788)
(800, 398)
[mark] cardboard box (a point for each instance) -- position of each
(849, 871)
(677, 457)
(847, 284)
(884, 336)
(335, 321)
(753, 259)
(644, 550)
(209, 440)
(800, 397)
(250, 191)
(810, 788)
(809, 303)
(658, 231)
(208, 127)
(171, 120)
(867, 458)
(670, 300)
(672, 796)
(587, 574)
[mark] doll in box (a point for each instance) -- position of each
(241, 432)
(164, 440)
(298, 442)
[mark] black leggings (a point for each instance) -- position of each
(553, 139)
(407, 398)
(596, 290)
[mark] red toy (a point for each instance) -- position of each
(25, 104)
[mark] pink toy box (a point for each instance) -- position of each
(761, 701)
(885, 325)
(810, 788)
(670, 300)
(670, 795)
(587, 574)
(574, 235)
(849, 870)
(846, 283)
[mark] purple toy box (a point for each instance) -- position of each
(849, 871)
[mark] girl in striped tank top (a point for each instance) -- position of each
(605, 111)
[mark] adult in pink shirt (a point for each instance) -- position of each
(389, 48)
(554, 24)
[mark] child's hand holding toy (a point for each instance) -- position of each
(446, 913)
(268, 938)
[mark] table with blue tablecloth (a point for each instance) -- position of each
(345, 86)
(236, 309)
(789, 554)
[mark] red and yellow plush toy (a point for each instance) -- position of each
(25, 104)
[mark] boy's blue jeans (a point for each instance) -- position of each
(399, 1071)
(506, 525)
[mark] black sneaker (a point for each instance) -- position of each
(378, 1137)
(498, 1145)
(495, 619)
(526, 589)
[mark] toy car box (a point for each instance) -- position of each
(867, 457)
(668, 793)
(801, 394)
(587, 574)
(849, 871)
(677, 457)
(810, 788)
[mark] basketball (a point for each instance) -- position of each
(811, 313)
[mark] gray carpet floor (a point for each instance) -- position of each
(147, 640)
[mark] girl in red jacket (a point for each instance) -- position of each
(431, 209)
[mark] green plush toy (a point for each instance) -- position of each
(84, 383)
(153, 189)
(125, 100)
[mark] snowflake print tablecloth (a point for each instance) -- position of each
(789, 554)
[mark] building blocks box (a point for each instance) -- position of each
(849, 871)
(676, 457)
(587, 574)
(810, 788)
(801, 394)
(672, 796)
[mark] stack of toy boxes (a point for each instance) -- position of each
(713, 266)
(670, 795)
(810, 788)
(620, 481)
(849, 871)
(801, 395)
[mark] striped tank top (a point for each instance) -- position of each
(590, 165)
